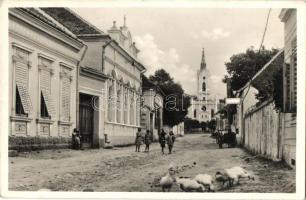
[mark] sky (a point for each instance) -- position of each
(173, 38)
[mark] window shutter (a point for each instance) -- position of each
(25, 97)
(48, 101)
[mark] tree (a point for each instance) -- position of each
(175, 102)
(243, 66)
(278, 89)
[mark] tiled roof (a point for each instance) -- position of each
(34, 12)
(71, 21)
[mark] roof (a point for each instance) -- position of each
(266, 72)
(72, 21)
(36, 12)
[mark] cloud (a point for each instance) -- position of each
(155, 58)
(215, 79)
(214, 34)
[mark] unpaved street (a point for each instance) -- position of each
(122, 169)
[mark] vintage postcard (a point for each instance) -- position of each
(153, 99)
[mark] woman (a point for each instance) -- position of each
(147, 141)
(162, 140)
(138, 140)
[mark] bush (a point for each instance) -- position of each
(30, 143)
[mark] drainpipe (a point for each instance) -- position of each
(77, 86)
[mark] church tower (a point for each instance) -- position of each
(203, 75)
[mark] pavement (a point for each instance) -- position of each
(123, 169)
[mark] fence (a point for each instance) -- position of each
(263, 131)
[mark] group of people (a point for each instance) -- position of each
(164, 138)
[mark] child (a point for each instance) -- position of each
(138, 140)
(147, 141)
(76, 139)
(170, 141)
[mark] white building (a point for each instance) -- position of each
(203, 105)
(43, 59)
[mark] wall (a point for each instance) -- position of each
(271, 133)
(262, 131)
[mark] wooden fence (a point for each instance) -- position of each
(263, 131)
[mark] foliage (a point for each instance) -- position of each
(278, 89)
(212, 124)
(243, 66)
(192, 124)
(175, 102)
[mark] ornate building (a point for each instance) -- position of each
(202, 106)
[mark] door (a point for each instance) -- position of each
(86, 120)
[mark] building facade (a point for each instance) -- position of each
(152, 111)
(203, 105)
(43, 58)
(109, 83)
(289, 18)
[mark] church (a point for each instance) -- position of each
(203, 105)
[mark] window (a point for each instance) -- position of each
(203, 98)
(132, 110)
(43, 107)
(21, 63)
(203, 86)
(110, 103)
(125, 106)
(195, 113)
(46, 103)
(19, 107)
(66, 79)
(119, 105)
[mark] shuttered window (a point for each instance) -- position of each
(24, 96)
(23, 103)
(65, 93)
(47, 103)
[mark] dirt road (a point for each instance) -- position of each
(122, 169)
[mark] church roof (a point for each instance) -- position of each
(203, 62)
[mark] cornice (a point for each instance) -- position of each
(46, 28)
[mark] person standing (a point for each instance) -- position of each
(147, 141)
(162, 140)
(170, 141)
(76, 139)
(138, 140)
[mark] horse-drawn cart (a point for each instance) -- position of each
(226, 137)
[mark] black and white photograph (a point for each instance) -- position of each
(201, 100)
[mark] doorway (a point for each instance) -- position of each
(86, 120)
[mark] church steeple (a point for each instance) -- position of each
(203, 63)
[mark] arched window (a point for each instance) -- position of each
(203, 86)
(110, 103)
(195, 113)
(119, 105)
(132, 110)
(125, 117)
